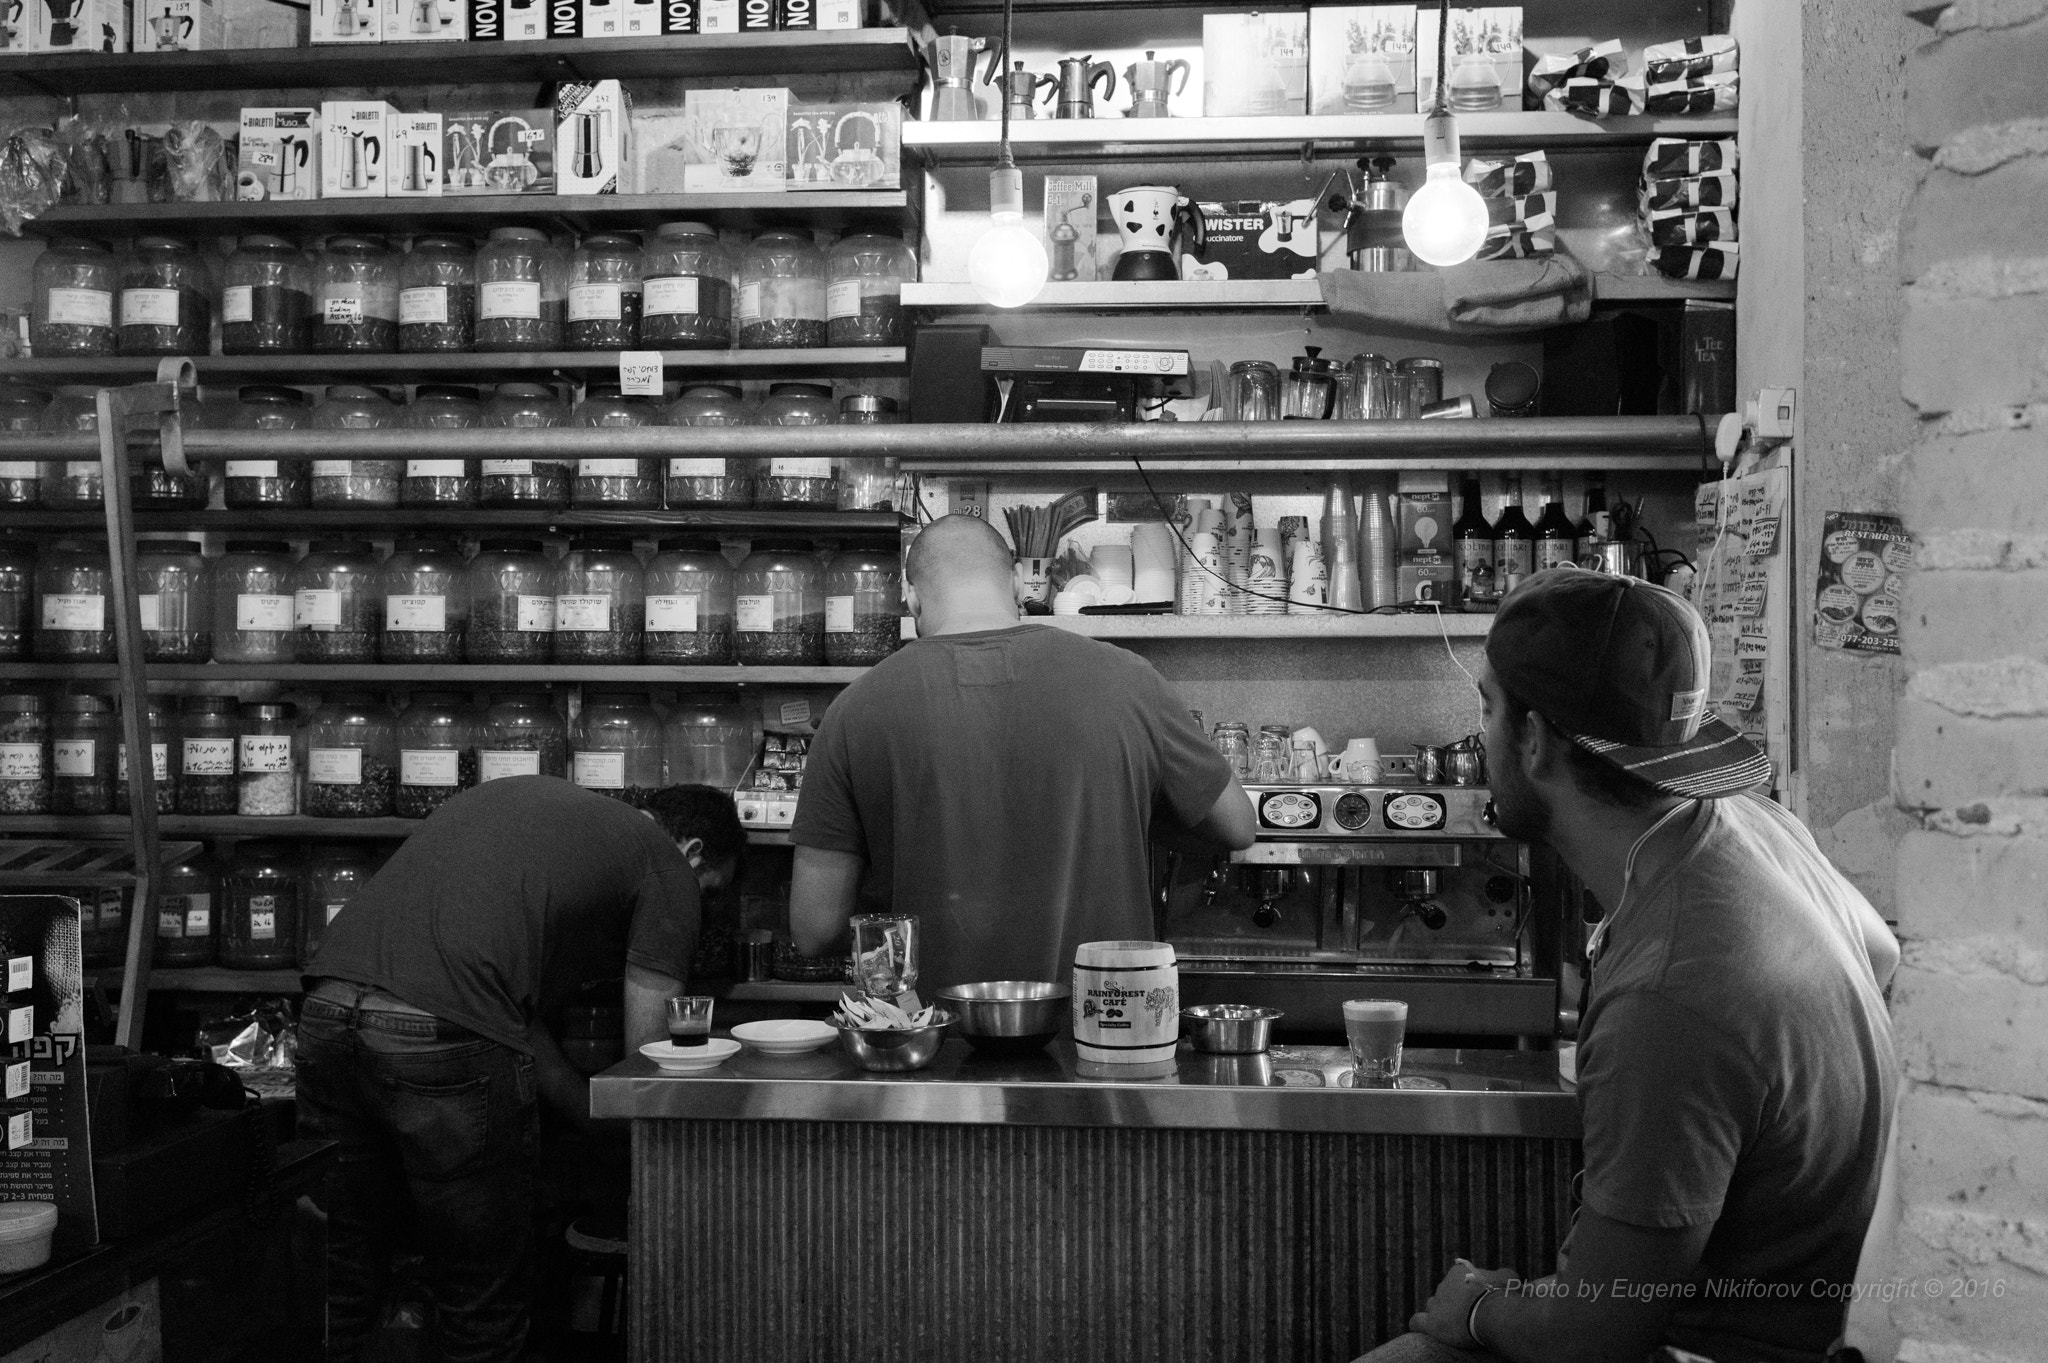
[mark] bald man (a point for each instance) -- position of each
(1000, 780)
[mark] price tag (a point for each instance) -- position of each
(17, 1079)
(21, 973)
(263, 154)
(640, 373)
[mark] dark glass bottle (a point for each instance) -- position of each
(1472, 537)
(1557, 539)
(1595, 528)
(1514, 542)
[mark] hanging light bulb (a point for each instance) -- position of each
(1008, 265)
(1445, 221)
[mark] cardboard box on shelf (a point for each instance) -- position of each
(426, 21)
(348, 21)
(498, 151)
(680, 16)
(593, 136)
(1254, 64)
(734, 141)
(416, 152)
(1484, 63)
(718, 16)
(265, 24)
(355, 146)
(757, 16)
(1361, 59)
(280, 154)
(564, 18)
(846, 146)
(494, 21)
(1425, 558)
(179, 26)
(621, 18)
(1256, 239)
(77, 25)
(1071, 205)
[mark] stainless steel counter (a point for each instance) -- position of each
(1291, 1088)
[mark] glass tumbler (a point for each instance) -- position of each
(1254, 392)
(885, 953)
(1375, 1028)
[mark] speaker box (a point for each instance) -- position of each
(946, 381)
(1613, 364)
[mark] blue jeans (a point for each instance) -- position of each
(439, 1133)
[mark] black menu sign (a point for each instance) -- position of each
(48, 1154)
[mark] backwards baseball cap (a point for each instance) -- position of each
(1620, 667)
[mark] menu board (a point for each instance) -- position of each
(1743, 588)
(49, 1150)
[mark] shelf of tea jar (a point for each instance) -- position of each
(444, 674)
(324, 369)
(1319, 625)
(298, 523)
(251, 826)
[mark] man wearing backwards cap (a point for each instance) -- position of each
(1735, 1064)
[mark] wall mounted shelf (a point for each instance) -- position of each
(443, 674)
(1408, 290)
(322, 369)
(296, 523)
(247, 826)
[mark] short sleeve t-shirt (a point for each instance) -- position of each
(1736, 1069)
(1001, 786)
(510, 898)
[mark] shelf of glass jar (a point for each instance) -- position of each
(1402, 290)
(215, 979)
(450, 674)
(255, 826)
(296, 522)
(476, 365)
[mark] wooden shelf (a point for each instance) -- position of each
(388, 65)
(239, 826)
(306, 370)
(1419, 625)
(444, 674)
(1407, 290)
(296, 524)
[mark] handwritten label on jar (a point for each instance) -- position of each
(434, 468)
(511, 298)
(842, 299)
(262, 917)
(260, 611)
(149, 307)
(209, 757)
(672, 614)
(838, 615)
(252, 468)
(696, 468)
(536, 614)
(608, 468)
(508, 468)
(317, 608)
(159, 761)
(427, 767)
(675, 296)
(750, 303)
(335, 766)
(755, 614)
(151, 609)
(640, 373)
(594, 303)
(20, 468)
(492, 764)
(800, 468)
(601, 770)
(591, 613)
(189, 915)
(82, 307)
(341, 309)
(74, 612)
(21, 761)
(266, 754)
(238, 303)
(422, 306)
(76, 469)
(73, 756)
(333, 468)
(416, 614)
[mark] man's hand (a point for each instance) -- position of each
(1450, 1306)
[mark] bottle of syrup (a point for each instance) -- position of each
(1514, 542)
(1557, 539)
(1472, 541)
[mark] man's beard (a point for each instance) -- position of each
(1518, 811)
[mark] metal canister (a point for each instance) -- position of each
(1424, 377)
(1429, 764)
(1234, 741)
(1513, 389)
(1450, 408)
(1610, 556)
(1373, 232)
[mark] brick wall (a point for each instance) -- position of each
(1971, 1002)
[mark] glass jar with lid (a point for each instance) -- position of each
(267, 761)
(71, 309)
(868, 483)
(165, 304)
(522, 735)
(187, 913)
(266, 302)
(511, 603)
(206, 754)
(153, 486)
(355, 311)
(710, 482)
(337, 603)
(436, 752)
(21, 413)
(865, 275)
(24, 754)
(779, 605)
(351, 758)
(426, 602)
(525, 482)
(615, 747)
(259, 924)
(162, 717)
(17, 596)
(687, 279)
(74, 610)
(71, 484)
(252, 603)
(174, 601)
(600, 603)
(355, 482)
(252, 483)
(513, 311)
(335, 873)
(706, 741)
(781, 302)
(437, 296)
(615, 483)
(83, 732)
(440, 482)
(605, 293)
(798, 481)
(689, 603)
(863, 604)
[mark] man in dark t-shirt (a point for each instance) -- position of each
(424, 1044)
(999, 781)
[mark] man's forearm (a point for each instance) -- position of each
(562, 1086)
(822, 889)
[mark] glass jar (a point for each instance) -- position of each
(782, 293)
(187, 905)
(165, 308)
(72, 304)
(798, 482)
(162, 717)
(351, 748)
(615, 484)
(525, 482)
(600, 603)
(437, 296)
(868, 483)
(687, 301)
(863, 604)
(616, 747)
(266, 762)
(71, 484)
(779, 605)
(206, 754)
(706, 741)
(441, 482)
(74, 615)
(710, 482)
(865, 274)
(21, 413)
(259, 923)
(83, 732)
(335, 874)
(266, 303)
(522, 735)
(689, 603)
(252, 603)
(152, 486)
(355, 482)
(512, 309)
(24, 755)
(175, 601)
(426, 603)
(604, 293)
(356, 310)
(511, 603)
(337, 607)
(254, 483)
(17, 597)
(436, 752)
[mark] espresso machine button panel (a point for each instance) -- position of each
(1385, 811)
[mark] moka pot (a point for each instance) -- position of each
(1020, 90)
(952, 60)
(1152, 220)
(1077, 86)
(1150, 83)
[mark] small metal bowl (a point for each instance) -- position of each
(1008, 1017)
(1229, 1028)
(892, 1052)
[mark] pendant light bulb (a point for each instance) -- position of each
(1008, 265)
(1445, 221)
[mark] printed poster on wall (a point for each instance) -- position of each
(1864, 556)
(39, 937)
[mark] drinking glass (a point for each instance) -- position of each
(885, 953)
(689, 1020)
(1375, 1028)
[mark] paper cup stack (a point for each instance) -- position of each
(1266, 583)
(1153, 551)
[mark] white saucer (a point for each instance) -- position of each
(785, 1036)
(675, 1059)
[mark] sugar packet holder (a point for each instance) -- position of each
(1528, 173)
(1708, 55)
(1697, 262)
(1670, 156)
(1600, 61)
(1689, 227)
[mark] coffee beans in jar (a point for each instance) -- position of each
(266, 306)
(687, 289)
(525, 482)
(437, 296)
(252, 483)
(864, 292)
(605, 293)
(72, 308)
(165, 307)
(356, 312)
(515, 310)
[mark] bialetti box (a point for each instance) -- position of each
(498, 151)
(565, 18)
(678, 16)
(179, 26)
(355, 147)
(415, 156)
(718, 16)
(837, 14)
(757, 16)
(279, 155)
(796, 15)
(1256, 239)
(78, 25)
(621, 18)
(348, 21)
(493, 21)
(425, 21)
(593, 136)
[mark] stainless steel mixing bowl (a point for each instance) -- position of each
(893, 1052)
(1008, 1017)
(1229, 1028)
